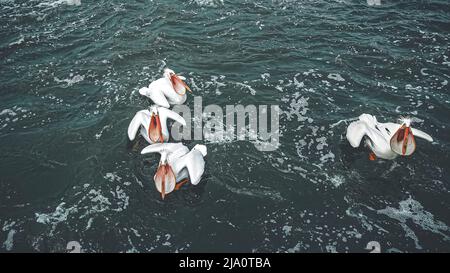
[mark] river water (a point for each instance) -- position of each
(69, 75)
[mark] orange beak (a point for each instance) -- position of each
(405, 140)
(179, 85)
(163, 187)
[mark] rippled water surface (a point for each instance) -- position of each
(69, 75)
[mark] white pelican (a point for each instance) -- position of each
(153, 124)
(170, 89)
(177, 165)
(385, 140)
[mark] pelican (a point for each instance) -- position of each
(170, 89)
(385, 140)
(153, 124)
(177, 165)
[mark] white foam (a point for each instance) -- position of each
(298, 84)
(54, 218)
(265, 76)
(422, 71)
(9, 243)
(287, 230)
(99, 135)
(412, 210)
(102, 203)
(72, 2)
(18, 42)
(89, 223)
(331, 249)
(61, 2)
(298, 107)
(327, 157)
(322, 142)
(294, 249)
(70, 81)
(337, 180)
(248, 87)
(209, 3)
(112, 177)
(8, 112)
(336, 77)
(122, 199)
(374, 2)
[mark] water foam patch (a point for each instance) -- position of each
(8, 244)
(336, 77)
(73, 79)
(61, 2)
(52, 219)
(209, 3)
(412, 210)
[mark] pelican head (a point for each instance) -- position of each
(177, 82)
(168, 73)
(403, 142)
(405, 120)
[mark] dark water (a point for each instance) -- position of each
(69, 76)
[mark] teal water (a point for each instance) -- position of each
(69, 76)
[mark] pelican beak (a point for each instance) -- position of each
(154, 129)
(403, 142)
(165, 179)
(179, 85)
(163, 189)
(186, 86)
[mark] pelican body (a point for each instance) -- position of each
(153, 124)
(385, 140)
(177, 165)
(168, 90)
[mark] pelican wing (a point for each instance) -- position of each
(172, 115)
(141, 118)
(422, 134)
(165, 113)
(155, 94)
(169, 151)
(201, 148)
(355, 132)
(162, 147)
(194, 163)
